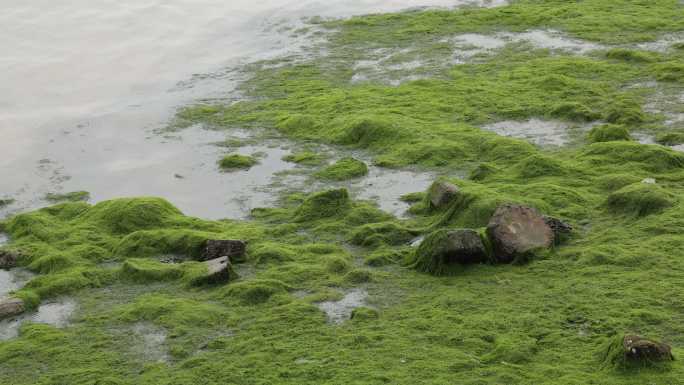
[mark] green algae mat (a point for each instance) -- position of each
(330, 290)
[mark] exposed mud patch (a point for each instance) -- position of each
(340, 311)
(540, 132)
(151, 344)
(57, 313)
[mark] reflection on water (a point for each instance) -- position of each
(85, 83)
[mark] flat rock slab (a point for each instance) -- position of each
(217, 248)
(10, 307)
(442, 193)
(517, 230)
(641, 349)
(219, 270)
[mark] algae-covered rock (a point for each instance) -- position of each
(515, 231)
(10, 307)
(323, 204)
(216, 248)
(561, 230)
(640, 199)
(628, 351)
(608, 133)
(237, 162)
(442, 251)
(441, 193)
(343, 169)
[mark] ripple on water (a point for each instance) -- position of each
(340, 311)
(57, 314)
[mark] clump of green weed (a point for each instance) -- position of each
(307, 158)
(344, 169)
(237, 162)
(323, 204)
(608, 133)
(74, 196)
(640, 199)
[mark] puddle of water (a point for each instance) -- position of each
(55, 313)
(386, 186)
(151, 342)
(536, 131)
(552, 39)
(340, 311)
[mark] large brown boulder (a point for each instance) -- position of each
(640, 349)
(442, 193)
(515, 231)
(8, 259)
(10, 307)
(217, 248)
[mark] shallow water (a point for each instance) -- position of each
(56, 313)
(537, 131)
(85, 83)
(4, 239)
(340, 311)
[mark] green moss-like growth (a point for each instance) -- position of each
(669, 71)
(607, 133)
(148, 243)
(621, 154)
(268, 252)
(123, 216)
(539, 166)
(145, 270)
(306, 158)
(413, 197)
(574, 112)
(344, 169)
(6, 202)
(429, 256)
(640, 199)
(632, 55)
(255, 291)
(237, 162)
(74, 196)
(375, 234)
(323, 204)
(361, 314)
(387, 256)
(670, 138)
(359, 276)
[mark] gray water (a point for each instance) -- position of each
(56, 313)
(86, 83)
(340, 311)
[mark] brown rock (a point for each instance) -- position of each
(516, 230)
(217, 248)
(442, 193)
(219, 270)
(10, 307)
(638, 348)
(8, 259)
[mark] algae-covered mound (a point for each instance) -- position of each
(343, 169)
(237, 162)
(323, 204)
(607, 133)
(625, 352)
(123, 216)
(389, 233)
(255, 291)
(307, 158)
(73, 196)
(640, 199)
